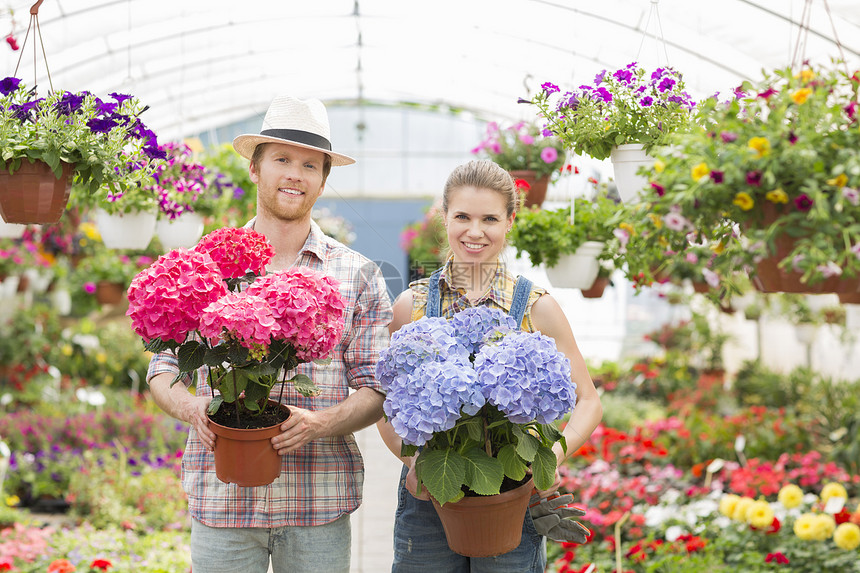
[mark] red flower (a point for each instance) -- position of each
(843, 516)
(13, 43)
(522, 184)
(102, 564)
(61, 566)
(778, 557)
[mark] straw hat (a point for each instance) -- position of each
(303, 123)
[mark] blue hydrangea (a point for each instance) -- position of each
(526, 378)
(475, 325)
(426, 339)
(431, 398)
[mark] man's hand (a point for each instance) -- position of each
(193, 411)
(550, 516)
(300, 428)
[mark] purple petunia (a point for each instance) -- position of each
(9, 85)
(646, 101)
(803, 202)
(603, 94)
(101, 125)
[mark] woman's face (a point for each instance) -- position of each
(477, 223)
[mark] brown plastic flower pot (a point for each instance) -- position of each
(536, 194)
(247, 457)
(33, 194)
(486, 526)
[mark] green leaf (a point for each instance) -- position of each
(157, 345)
(407, 450)
(216, 356)
(515, 468)
(527, 445)
(475, 428)
(305, 386)
(214, 405)
(443, 473)
(543, 468)
(191, 355)
(484, 474)
(233, 384)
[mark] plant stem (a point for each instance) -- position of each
(283, 383)
(487, 445)
(236, 394)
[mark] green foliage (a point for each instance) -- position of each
(480, 451)
(242, 206)
(545, 235)
(426, 241)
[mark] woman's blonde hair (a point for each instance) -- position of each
(483, 174)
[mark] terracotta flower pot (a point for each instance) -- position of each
(770, 278)
(246, 457)
(33, 194)
(536, 193)
(109, 293)
(596, 289)
(485, 526)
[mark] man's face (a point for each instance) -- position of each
(289, 180)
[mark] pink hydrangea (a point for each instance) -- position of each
(166, 299)
(243, 317)
(308, 306)
(237, 251)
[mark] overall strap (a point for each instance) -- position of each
(522, 290)
(434, 298)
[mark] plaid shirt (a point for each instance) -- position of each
(322, 480)
(500, 294)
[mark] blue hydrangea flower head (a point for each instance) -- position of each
(474, 326)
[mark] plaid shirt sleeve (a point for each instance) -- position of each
(369, 332)
(165, 363)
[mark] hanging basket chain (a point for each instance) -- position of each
(799, 55)
(658, 33)
(37, 30)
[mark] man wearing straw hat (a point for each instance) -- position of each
(301, 520)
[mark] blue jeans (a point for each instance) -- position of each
(292, 549)
(420, 544)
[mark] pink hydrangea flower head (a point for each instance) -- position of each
(241, 316)
(165, 300)
(237, 251)
(308, 306)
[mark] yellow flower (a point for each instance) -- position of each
(741, 507)
(801, 95)
(840, 180)
(847, 536)
(659, 166)
(13, 500)
(804, 526)
(825, 525)
(777, 196)
(790, 496)
(806, 76)
(833, 490)
(67, 350)
(101, 358)
(626, 227)
(699, 171)
(760, 145)
(90, 231)
(744, 201)
(656, 219)
(718, 248)
(728, 503)
(759, 514)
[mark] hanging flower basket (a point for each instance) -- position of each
(126, 230)
(535, 188)
(626, 160)
(33, 193)
(578, 270)
(182, 232)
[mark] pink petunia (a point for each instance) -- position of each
(549, 154)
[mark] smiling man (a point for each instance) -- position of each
(301, 520)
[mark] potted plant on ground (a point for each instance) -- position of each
(623, 115)
(101, 146)
(774, 178)
(216, 309)
(571, 252)
(448, 385)
(107, 273)
(533, 159)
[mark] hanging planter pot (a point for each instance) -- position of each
(11, 230)
(246, 457)
(536, 193)
(181, 232)
(485, 526)
(626, 161)
(109, 293)
(126, 230)
(806, 333)
(596, 290)
(33, 194)
(577, 270)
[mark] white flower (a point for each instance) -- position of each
(674, 532)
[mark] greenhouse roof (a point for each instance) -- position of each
(203, 64)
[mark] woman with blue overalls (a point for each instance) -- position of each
(479, 205)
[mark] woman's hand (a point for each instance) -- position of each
(412, 484)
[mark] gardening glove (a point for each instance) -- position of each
(550, 518)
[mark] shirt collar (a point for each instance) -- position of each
(494, 292)
(314, 244)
